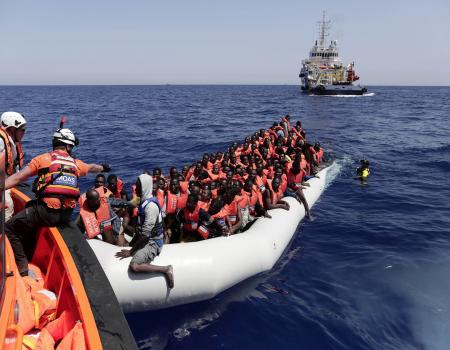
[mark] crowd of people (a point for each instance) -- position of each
(220, 195)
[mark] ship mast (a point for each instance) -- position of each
(323, 28)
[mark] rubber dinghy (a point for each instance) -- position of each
(206, 268)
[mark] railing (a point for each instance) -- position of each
(2, 228)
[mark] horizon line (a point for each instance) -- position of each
(213, 84)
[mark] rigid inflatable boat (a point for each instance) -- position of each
(87, 314)
(206, 268)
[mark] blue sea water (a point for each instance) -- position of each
(370, 271)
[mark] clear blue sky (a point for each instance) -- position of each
(218, 42)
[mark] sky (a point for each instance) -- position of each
(394, 42)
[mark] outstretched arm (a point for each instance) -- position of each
(98, 168)
(18, 178)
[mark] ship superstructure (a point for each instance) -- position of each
(323, 72)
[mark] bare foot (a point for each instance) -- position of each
(169, 276)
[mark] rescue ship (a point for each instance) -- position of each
(66, 302)
(324, 73)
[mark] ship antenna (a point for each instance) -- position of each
(323, 28)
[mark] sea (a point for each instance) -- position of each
(371, 270)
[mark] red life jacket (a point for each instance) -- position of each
(232, 209)
(160, 197)
(192, 222)
(60, 178)
(191, 219)
(175, 202)
(119, 189)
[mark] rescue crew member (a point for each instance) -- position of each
(56, 189)
(12, 131)
(149, 233)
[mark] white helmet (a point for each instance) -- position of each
(66, 136)
(12, 119)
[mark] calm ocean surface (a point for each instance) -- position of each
(371, 271)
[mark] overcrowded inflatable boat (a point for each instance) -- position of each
(206, 268)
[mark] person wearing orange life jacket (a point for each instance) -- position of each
(319, 153)
(56, 189)
(175, 200)
(99, 185)
(214, 173)
(256, 208)
(194, 220)
(117, 187)
(234, 218)
(205, 197)
(273, 195)
(295, 178)
(12, 130)
(97, 217)
(214, 189)
(160, 192)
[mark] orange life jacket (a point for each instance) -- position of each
(304, 165)
(36, 306)
(10, 163)
(60, 326)
(60, 178)
(175, 202)
(232, 210)
(184, 185)
(95, 222)
(214, 193)
(204, 205)
(38, 340)
(295, 180)
(160, 197)
(74, 339)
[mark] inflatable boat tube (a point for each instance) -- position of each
(206, 268)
